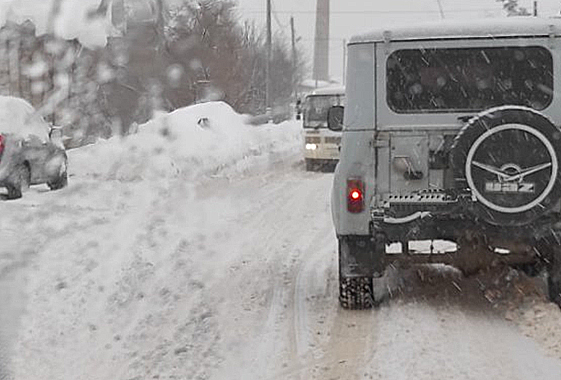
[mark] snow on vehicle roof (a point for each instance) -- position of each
(18, 117)
(333, 90)
(468, 28)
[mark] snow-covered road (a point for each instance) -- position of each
(189, 252)
(236, 279)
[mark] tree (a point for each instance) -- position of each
(190, 52)
(220, 58)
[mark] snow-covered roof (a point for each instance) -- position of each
(465, 28)
(19, 117)
(332, 90)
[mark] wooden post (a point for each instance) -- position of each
(293, 57)
(268, 63)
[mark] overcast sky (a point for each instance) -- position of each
(350, 17)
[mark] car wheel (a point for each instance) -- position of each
(356, 290)
(554, 280)
(25, 177)
(509, 158)
(356, 293)
(529, 269)
(14, 191)
(62, 178)
(549, 251)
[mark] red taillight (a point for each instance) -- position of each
(1, 144)
(355, 195)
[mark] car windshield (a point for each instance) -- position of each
(178, 209)
(316, 107)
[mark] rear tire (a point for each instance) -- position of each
(356, 293)
(61, 181)
(550, 251)
(25, 177)
(361, 261)
(529, 269)
(554, 278)
(13, 192)
(19, 181)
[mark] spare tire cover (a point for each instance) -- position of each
(509, 158)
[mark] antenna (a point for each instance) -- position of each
(440, 9)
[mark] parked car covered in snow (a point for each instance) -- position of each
(451, 131)
(31, 151)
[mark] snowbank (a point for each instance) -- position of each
(200, 140)
(122, 283)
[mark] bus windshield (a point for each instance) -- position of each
(316, 107)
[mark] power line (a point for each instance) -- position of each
(440, 9)
(377, 11)
(279, 24)
(321, 39)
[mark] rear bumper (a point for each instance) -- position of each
(322, 161)
(427, 226)
(322, 152)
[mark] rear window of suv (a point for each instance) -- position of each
(468, 79)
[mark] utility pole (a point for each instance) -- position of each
(344, 61)
(535, 9)
(293, 56)
(321, 45)
(268, 63)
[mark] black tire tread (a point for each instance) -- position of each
(25, 177)
(14, 192)
(356, 293)
(554, 279)
(59, 183)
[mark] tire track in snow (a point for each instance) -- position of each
(278, 257)
(12, 302)
(15, 255)
(302, 314)
(310, 262)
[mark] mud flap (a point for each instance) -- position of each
(361, 256)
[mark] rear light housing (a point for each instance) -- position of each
(2, 144)
(355, 195)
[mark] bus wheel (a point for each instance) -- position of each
(310, 165)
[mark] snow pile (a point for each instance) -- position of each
(200, 140)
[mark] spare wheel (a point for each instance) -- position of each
(508, 157)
